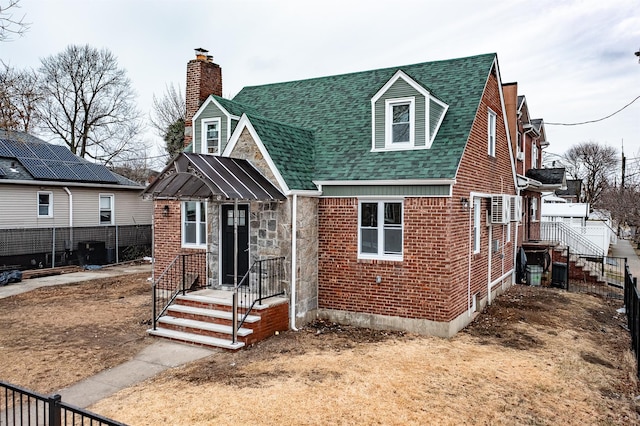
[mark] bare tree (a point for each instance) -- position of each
(20, 95)
(595, 165)
(168, 116)
(89, 103)
(10, 26)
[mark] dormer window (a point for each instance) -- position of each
(211, 136)
(405, 115)
(400, 122)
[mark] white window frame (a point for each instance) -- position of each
(477, 207)
(491, 133)
(201, 241)
(111, 209)
(381, 255)
(534, 155)
(388, 135)
(203, 135)
(49, 205)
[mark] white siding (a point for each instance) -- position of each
(19, 207)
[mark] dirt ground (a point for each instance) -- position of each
(536, 356)
(52, 337)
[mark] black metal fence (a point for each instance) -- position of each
(30, 248)
(585, 273)
(632, 308)
(185, 272)
(21, 407)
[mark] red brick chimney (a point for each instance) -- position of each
(204, 78)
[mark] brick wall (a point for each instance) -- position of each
(436, 274)
(204, 78)
(167, 235)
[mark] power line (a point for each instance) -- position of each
(594, 121)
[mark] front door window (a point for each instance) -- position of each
(227, 245)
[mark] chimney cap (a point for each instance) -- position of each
(201, 50)
(201, 54)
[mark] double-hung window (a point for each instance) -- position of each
(211, 136)
(534, 154)
(477, 204)
(491, 125)
(534, 209)
(400, 119)
(380, 230)
(194, 224)
(106, 209)
(45, 204)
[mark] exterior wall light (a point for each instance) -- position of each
(465, 202)
(165, 210)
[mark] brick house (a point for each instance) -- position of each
(391, 193)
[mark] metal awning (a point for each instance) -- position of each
(200, 176)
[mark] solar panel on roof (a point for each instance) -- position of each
(62, 170)
(42, 151)
(2, 172)
(37, 168)
(19, 149)
(63, 153)
(83, 172)
(4, 151)
(102, 172)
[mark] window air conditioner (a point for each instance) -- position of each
(500, 209)
(516, 208)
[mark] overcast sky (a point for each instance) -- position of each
(573, 60)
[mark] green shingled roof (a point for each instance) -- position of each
(290, 148)
(336, 113)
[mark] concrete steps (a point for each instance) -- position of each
(196, 339)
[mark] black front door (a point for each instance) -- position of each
(227, 242)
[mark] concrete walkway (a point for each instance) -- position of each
(155, 358)
(624, 248)
(73, 277)
(152, 360)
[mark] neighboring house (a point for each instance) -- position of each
(391, 193)
(54, 202)
(573, 192)
(528, 139)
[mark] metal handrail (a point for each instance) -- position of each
(262, 281)
(173, 281)
(561, 232)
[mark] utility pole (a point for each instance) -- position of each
(624, 164)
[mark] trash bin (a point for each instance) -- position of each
(559, 275)
(534, 274)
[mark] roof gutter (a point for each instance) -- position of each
(66, 184)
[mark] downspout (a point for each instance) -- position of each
(70, 195)
(294, 260)
(489, 274)
(470, 254)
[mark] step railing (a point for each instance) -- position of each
(265, 279)
(562, 233)
(184, 273)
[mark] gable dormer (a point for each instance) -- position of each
(213, 125)
(405, 115)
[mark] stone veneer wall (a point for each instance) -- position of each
(270, 233)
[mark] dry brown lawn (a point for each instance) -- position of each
(52, 337)
(537, 356)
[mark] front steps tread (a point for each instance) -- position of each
(216, 301)
(208, 326)
(196, 338)
(212, 313)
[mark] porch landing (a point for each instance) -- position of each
(205, 318)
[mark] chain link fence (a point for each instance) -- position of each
(30, 248)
